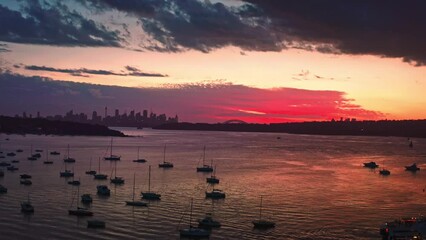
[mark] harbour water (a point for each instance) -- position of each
(313, 187)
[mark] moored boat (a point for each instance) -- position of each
(371, 165)
(412, 168)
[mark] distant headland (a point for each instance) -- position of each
(15, 125)
(400, 128)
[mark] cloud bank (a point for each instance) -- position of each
(391, 29)
(205, 102)
(83, 72)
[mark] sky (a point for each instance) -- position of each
(258, 61)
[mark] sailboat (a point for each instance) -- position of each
(79, 211)
(66, 172)
(205, 168)
(262, 223)
(86, 198)
(112, 157)
(192, 232)
(384, 171)
(215, 194)
(74, 182)
(3, 189)
(68, 159)
(150, 195)
(26, 207)
(165, 164)
(213, 179)
(31, 157)
(139, 160)
(99, 175)
(116, 180)
(47, 159)
(133, 202)
(91, 172)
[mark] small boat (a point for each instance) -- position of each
(213, 179)
(116, 180)
(36, 155)
(204, 167)
(94, 223)
(4, 164)
(2, 156)
(215, 194)
(99, 175)
(404, 228)
(208, 222)
(66, 173)
(55, 153)
(47, 159)
(150, 195)
(111, 156)
(38, 150)
(3, 189)
(133, 202)
(193, 232)
(25, 176)
(74, 182)
(32, 158)
(11, 154)
(103, 190)
(80, 212)
(165, 164)
(262, 223)
(384, 172)
(90, 171)
(412, 168)
(68, 159)
(15, 161)
(139, 160)
(371, 165)
(26, 207)
(12, 168)
(86, 198)
(19, 150)
(25, 182)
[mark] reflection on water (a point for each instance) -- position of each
(314, 187)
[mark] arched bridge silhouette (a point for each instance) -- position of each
(234, 121)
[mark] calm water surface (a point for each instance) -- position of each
(314, 187)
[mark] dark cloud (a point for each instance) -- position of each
(203, 102)
(83, 72)
(384, 28)
(177, 25)
(52, 24)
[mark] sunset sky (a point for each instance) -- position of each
(211, 61)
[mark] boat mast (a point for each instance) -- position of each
(134, 182)
(149, 179)
(111, 148)
(78, 194)
(47, 155)
(90, 164)
(115, 169)
(68, 151)
(164, 154)
(204, 154)
(138, 153)
(260, 210)
(99, 166)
